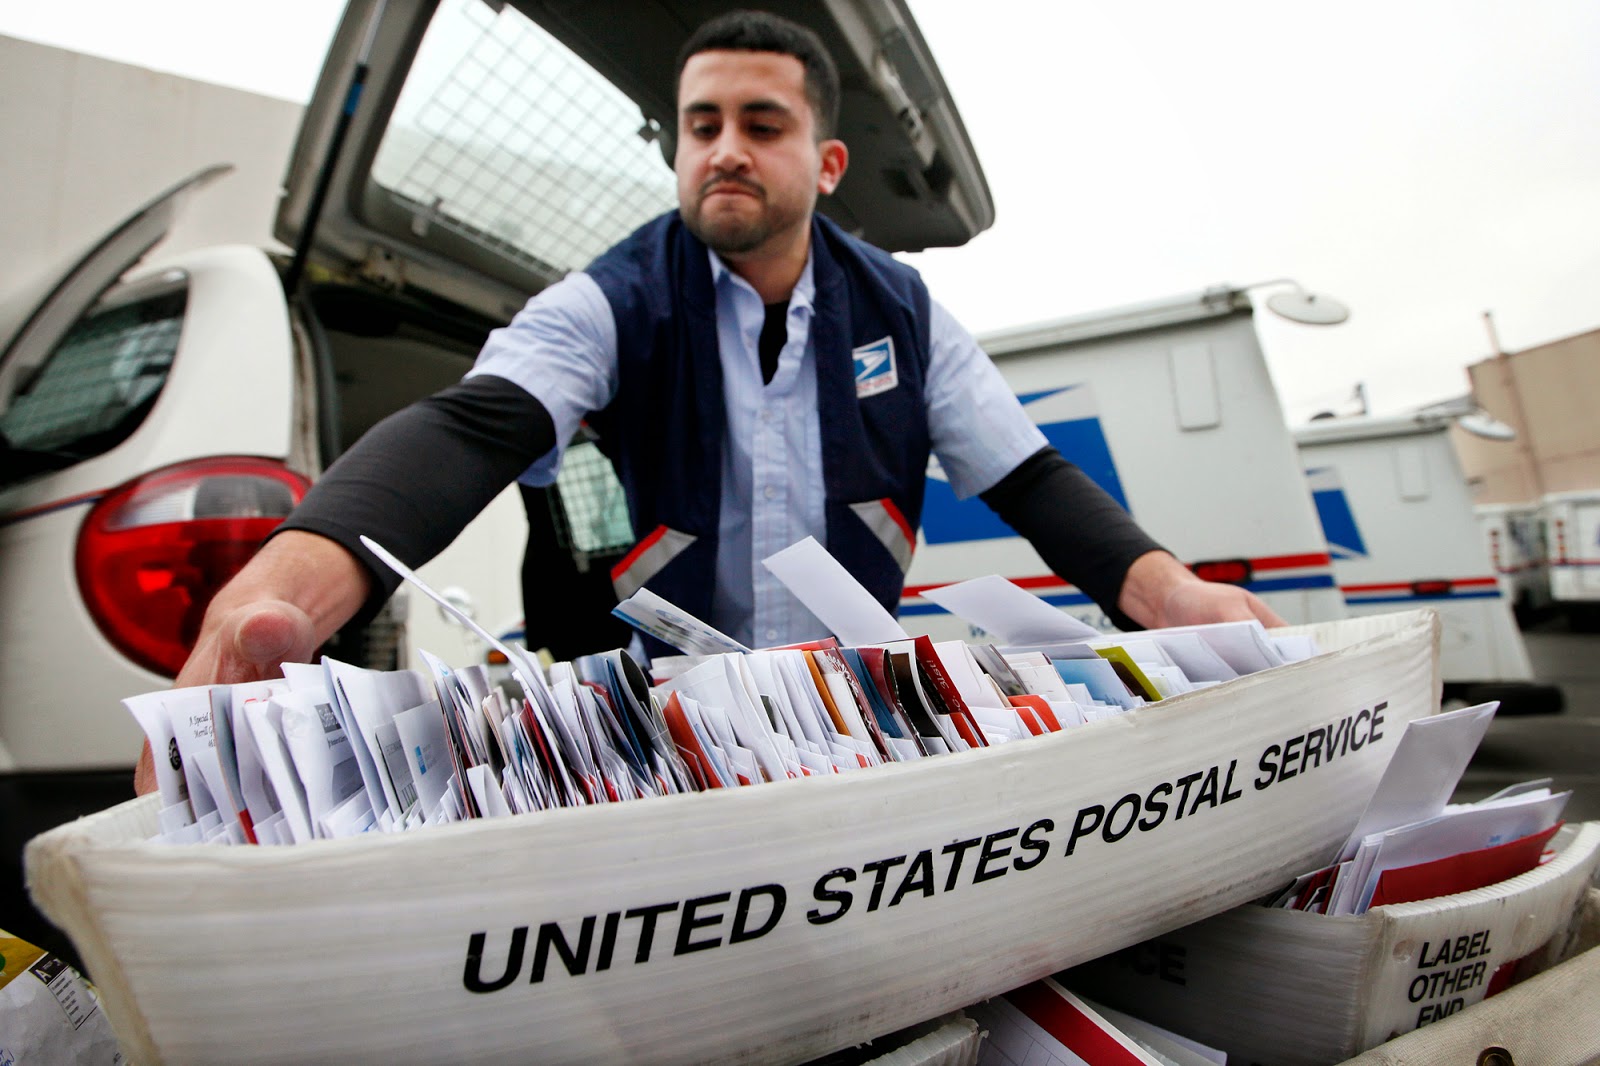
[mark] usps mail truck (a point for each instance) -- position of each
(1513, 533)
(1169, 406)
(1399, 520)
(1572, 530)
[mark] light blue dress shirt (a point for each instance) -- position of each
(562, 348)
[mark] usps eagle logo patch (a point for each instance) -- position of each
(875, 371)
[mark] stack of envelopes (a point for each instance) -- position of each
(334, 750)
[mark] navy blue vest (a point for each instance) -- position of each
(665, 427)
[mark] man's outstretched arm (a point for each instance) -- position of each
(1086, 538)
(413, 482)
(292, 595)
(1160, 591)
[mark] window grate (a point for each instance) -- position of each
(591, 509)
(503, 135)
(106, 369)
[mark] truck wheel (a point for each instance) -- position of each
(1516, 697)
(1584, 617)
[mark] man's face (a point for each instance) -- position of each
(749, 165)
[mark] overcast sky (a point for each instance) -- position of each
(1419, 160)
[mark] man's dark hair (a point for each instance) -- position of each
(762, 31)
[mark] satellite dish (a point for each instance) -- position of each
(1307, 308)
(1482, 424)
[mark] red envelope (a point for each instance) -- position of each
(1463, 872)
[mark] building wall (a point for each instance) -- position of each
(89, 140)
(1551, 396)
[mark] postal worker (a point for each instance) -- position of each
(757, 376)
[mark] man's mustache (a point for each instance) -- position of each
(731, 179)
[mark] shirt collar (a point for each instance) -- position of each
(805, 290)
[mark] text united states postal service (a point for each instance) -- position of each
(543, 949)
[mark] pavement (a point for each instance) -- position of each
(1566, 746)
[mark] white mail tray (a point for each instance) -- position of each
(767, 924)
(1291, 988)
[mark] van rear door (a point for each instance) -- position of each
(491, 148)
(1586, 516)
(1573, 519)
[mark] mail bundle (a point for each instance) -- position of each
(664, 911)
(48, 1012)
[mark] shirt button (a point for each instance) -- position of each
(772, 634)
(770, 492)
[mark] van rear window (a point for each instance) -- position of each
(594, 509)
(95, 388)
(508, 138)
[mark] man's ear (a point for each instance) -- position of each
(835, 158)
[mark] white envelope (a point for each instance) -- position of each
(819, 581)
(1013, 615)
(1424, 771)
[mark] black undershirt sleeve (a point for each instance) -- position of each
(1082, 534)
(414, 481)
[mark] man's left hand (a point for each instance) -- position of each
(1160, 591)
(1196, 602)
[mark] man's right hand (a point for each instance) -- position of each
(296, 592)
(249, 643)
(1160, 591)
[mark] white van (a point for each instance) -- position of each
(156, 423)
(1169, 407)
(1572, 534)
(1398, 516)
(1513, 533)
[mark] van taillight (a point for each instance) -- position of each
(154, 551)
(1431, 588)
(1561, 541)
(1227, 571)
(1494, 549)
